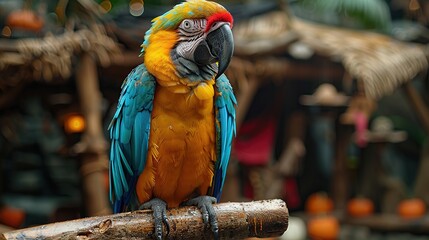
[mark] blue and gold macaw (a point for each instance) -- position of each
(172, 131)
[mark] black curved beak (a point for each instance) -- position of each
(218, 47)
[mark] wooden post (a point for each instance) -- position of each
(93, 146)
(340, 177)
(422, 113)
(422, 178)
(267, 218)
(418, 104)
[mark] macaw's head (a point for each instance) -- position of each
(188, 47)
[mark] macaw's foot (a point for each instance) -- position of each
(205, 204)
(159, 209)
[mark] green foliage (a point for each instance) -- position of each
(121, 3)
(367, 14)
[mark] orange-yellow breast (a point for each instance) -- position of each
(181, 149)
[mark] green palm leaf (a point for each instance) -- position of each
(364, 14)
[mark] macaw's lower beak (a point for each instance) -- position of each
(218, 47)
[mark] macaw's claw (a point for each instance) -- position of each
(159, 209)
(205, 204)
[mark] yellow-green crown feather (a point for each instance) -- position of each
(186, 10)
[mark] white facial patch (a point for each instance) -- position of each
(191, 33)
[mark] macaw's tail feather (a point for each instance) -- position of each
(217, 190)
(117, 206)
(129, 201)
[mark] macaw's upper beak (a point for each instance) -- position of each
(218, 47)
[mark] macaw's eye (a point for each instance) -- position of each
(187, 24)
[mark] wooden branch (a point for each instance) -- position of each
(4, 228)
(268, 218)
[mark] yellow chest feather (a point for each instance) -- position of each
(181, 147)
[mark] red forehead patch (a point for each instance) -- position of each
(219, 17)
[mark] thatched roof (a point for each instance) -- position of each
(50, 58)
(263, 35)
(53, 53)
(380, 62)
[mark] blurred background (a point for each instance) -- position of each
(332, 117)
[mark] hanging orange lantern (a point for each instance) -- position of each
(25, 19)
(74, 123)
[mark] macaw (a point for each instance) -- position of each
(172, 131)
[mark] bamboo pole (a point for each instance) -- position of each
(267, 218)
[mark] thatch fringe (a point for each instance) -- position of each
(51, 58)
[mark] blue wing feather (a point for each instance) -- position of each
(225, 130)
(129, 133)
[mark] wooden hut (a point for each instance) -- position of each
(53, 57)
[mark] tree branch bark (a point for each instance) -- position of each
(267, 218)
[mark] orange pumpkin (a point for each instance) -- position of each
(411, 208)
(323, 228)
(318, 203)
(12, 217)
(25, 19)
(360, 207)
